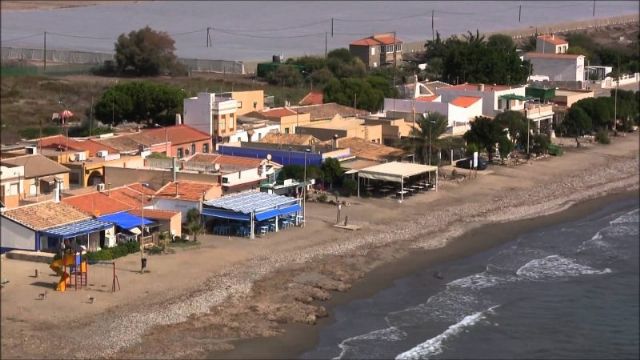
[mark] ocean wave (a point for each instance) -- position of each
(555, 266)
(389, 334)
(434, 345)
(630, 217)
(482, 280)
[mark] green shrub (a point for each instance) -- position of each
(602, 137)
(349, 187)
(155, 249)
(322, 197)
(133, 247)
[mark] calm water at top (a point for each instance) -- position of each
(248, 30)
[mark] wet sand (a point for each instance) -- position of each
(300, 338)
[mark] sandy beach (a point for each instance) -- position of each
(213, 299)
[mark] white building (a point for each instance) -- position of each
(459, 111)
(551, 44)
(254, 134)
(214, 115)
(495, 98)
(558, 67)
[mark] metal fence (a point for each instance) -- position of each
(96, 58)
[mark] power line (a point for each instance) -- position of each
(283, 28)
(21, 38)
(265, 36)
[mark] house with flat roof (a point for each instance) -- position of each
(329, 110)
(288, 118)
(39, 175)
(378, 50)
(495, 98)
(340, 127)
(558, 67)
(459, 109)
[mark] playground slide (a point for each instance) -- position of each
(57, 266)
(62, 284)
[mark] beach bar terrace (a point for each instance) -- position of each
(262, 211)
(403, 173)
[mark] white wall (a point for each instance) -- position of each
(241, 177)
(489, 98)
(464, 115)
(258, 134)
(197, 112)
(567, 69)
(406, 105)
(16, 236)
(175, 205)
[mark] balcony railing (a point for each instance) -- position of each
(538, 110)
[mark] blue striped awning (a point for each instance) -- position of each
(77, 229)
(125, 220)
(275, 212)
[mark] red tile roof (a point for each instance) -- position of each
(380, 39)
(97, 204)
(278, 112)
(474, 87)
(186, 190)
(552, 39)
(141, 189)
(465, 101)
(552, 56)
(155, 214)
(312, 98)
(61, 141)
(226, 160)
(177, 134)
(428, 98)
(131, 197)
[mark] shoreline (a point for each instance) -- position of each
(299, 339)
(271, 306)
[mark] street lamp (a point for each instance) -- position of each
(425, 115)
(304, 190)
(143, 263)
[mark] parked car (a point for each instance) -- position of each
(467, 162)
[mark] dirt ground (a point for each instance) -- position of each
(178, 277)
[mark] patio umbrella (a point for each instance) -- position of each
(65, 114)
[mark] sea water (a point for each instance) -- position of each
(256, 30)
(566, 291)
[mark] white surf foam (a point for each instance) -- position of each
(481, 281)
(555, 266)
(389, 334)
(434, 345)
(630, 217)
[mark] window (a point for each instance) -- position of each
(205, 148)
(388, 48)
(286, 130)
(179, 153)
(399, 47)
(193, 148)
(223, 124)
(373, 51)
(375, 64)
(259, 136)
(239, 104)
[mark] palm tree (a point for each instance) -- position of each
(424, 137)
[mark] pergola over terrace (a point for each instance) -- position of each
(396, 172)
(252, 206)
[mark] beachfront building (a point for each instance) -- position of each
(394, 128)
(42, 226)
(378, 50)
(252, 212)
(408, 178)
(340, 127)
(182, 196)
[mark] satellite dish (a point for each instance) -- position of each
(269, 157)
(217, 167)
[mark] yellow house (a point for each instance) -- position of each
(38, 176)
(349, 127)
(288, 118)
(248, 101)
(90, 172)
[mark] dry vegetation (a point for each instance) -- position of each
(27, 100)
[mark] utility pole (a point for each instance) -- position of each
(594, 8)
(331, 27)
(433, 34)
(45, 52)
(91, 117)
(325, 44)
(208, 36)
(519, 13)
(615, 97)
(395, 57)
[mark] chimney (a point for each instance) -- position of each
(108, 189)
(56, 190)
(480, 87)
(178, 119)
(176, 188)
(334, 142)
(174, 169)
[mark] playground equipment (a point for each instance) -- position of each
(72, 271)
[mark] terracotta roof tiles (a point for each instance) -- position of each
(552, 39)
(97, 204)
(62, 142)
(185, 190)
(36, 165)
(45, 215)
(465, 101)
(177, 135)
(312, 98)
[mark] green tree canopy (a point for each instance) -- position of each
(352, 90)
(425, 136)
(146, 52)
(577, 122)
(331, 171)
(516, 124)
(485, 133)
(139, 101)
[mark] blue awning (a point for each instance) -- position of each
(77, 229)
(222, 214)
(125, 220)
(275, 212)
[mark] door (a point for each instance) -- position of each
(33, 190)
